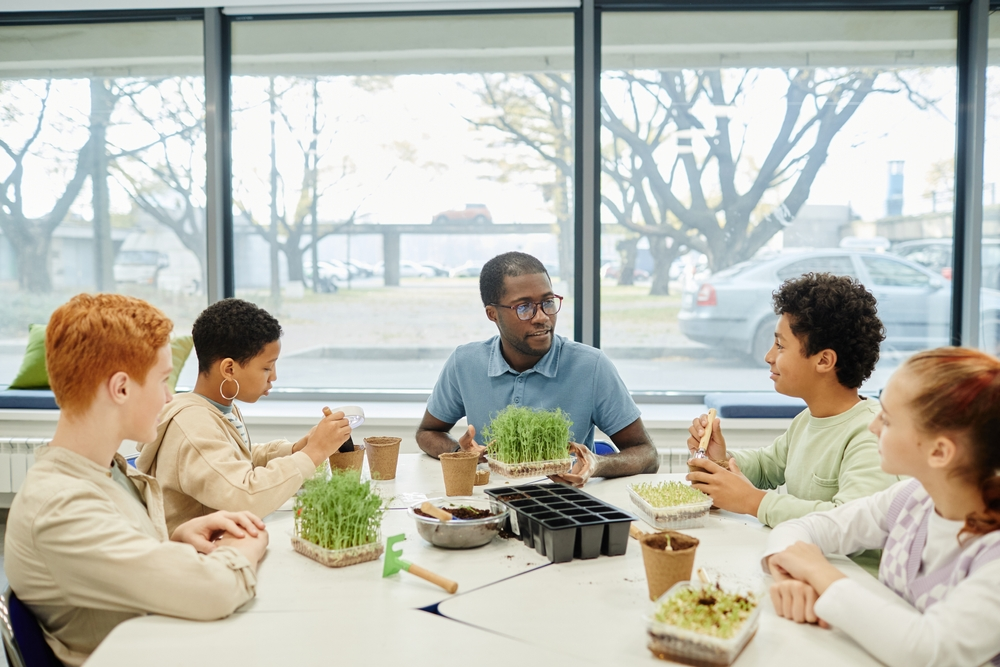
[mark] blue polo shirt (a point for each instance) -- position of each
(477, 383)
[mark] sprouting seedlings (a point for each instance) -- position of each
(339, 512)
(707, 610)
(523, 435)
(668, 494)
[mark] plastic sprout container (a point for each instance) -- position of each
(460, 533)
(338, 557)
(670, 505)
(702, 624)
(530, 468)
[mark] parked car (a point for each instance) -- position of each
(732, 308)
(440, 270)
(468, 270)
(329, 274)
(409, 269)
(936, 255)
(139, 266)
(477, 213)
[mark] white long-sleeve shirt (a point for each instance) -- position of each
(963, 629)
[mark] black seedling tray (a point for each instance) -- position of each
(563, 523)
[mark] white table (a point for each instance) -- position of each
(511, 602)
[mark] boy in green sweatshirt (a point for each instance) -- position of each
(826, 344)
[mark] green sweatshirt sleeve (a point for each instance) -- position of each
(764, 467)
(860, 476)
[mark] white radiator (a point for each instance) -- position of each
(16, 456)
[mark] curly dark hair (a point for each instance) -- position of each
(513, 264)
(232, 328)
(828, 312)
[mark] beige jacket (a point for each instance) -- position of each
(203, 465)
(84, 555)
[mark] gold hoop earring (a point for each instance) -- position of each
(223, 394)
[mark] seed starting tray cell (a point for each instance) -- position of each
(563, 523)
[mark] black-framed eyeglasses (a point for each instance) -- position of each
(528, 309)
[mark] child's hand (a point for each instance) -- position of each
(203, 532)
(716, 449)
(730, 489)
(805, 562)
(796, 601)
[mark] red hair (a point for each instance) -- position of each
(959, 395)
(93, 336)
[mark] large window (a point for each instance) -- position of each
(741, 149)
(378, 163)
(990, 292)
(102, 171)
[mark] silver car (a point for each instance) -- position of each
(732, 308)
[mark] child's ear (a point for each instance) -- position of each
(942, 452)
(826, 361)
(226, 367)
(118, 388)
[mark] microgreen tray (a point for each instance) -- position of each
(689, 515)
(338, 557)
(562, 523)
(530, 468)
(669, 642)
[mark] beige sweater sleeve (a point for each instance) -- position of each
(262, 454)
(100, 561)
(214, 472)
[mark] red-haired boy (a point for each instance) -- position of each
(86, 544)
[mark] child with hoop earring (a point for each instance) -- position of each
(203, 456)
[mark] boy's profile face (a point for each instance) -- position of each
(149, 397)
(259, 373)
(792, 372)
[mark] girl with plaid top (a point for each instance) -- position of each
(940, 425)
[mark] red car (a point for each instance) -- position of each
(476, 213)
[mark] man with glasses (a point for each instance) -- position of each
(528, 365)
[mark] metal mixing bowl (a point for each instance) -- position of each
(459, 533)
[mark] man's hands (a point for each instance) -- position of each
(730, 489)
(467, 443)
(583, 469)
(716, 449)
(325, 438)
(204, 532)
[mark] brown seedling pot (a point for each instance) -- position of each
(665, 567)
(382, 452)
(348, 460)
(459, 470)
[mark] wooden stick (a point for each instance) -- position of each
(706, 437)
(435, 579)
(429, 508)
(635, 532)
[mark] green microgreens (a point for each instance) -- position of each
(708, 611)
(339, 512)
(523, 435)
(668, 494)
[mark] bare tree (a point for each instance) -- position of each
(697, 202)
(162, 176)
(32, 237)
(535, 111)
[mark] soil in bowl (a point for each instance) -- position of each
(459, 513)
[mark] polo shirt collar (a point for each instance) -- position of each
(547, 365)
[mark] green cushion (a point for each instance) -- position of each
(180, 350)
(33, 374)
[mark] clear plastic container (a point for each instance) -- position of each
(531, 468)
(460, 533)
(691, 515)
(669, 642)
(338, 557)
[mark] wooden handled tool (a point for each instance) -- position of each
(706, 437)
(394, 563)
(429, 508)
(348, 446)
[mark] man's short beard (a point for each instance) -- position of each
(520, 346)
